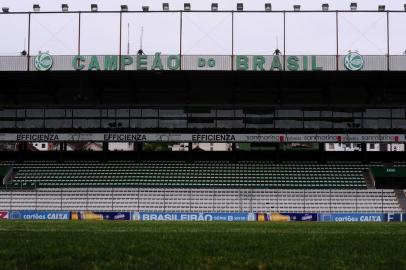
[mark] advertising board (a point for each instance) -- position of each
(3, 214)
(40, 215)
(393, 217)
(352, 217)
(284, 217)
(91, 215)
(150, 216)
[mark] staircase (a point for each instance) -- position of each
(369, 180)
(400, 195)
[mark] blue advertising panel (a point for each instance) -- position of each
(393, 217)
(352, 217)
(91, 215)
(301, 216)
(404, 217)
(40, 215)
(145, 216)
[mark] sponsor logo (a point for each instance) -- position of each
(145, 216)
(43, 62)
(213, 137)
(354, 61)
(30, 215)
(37, 137)
(352, 217)
(125, 137)
(3, 215)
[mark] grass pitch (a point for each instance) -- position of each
(192, 245)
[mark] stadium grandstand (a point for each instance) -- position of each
(142, 128)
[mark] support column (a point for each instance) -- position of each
(364, 152)
(139, 146)
(322, 153)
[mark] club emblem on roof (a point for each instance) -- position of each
(43, 62)
(354, 61)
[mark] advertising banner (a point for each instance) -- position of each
(301, 216)
(206, 137)
(90, 215)
(3, 214)
(40, 215)
(352, 217)
(393, 217)
(284, 217)
(173, 216)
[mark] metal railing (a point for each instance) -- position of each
(200, 200)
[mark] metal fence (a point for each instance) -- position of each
(200, 200)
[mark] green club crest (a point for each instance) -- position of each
(354, 61)
(43, 62)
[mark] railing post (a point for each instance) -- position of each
(337, 42)
(382, 199)
(214, 194)
(388, 40)
(304, 201)
(190, 200)
(284, 42)
(87, 198)
(164, 199)
(112, 199)
(330, 200)
(138, 190)
(277, 200)
(232, 40)
(79, 29)
(180, 40)
(121, 30)
(29, 41)
(251, 198)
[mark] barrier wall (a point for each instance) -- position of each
(204, 216)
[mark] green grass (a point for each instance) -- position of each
(176, 245)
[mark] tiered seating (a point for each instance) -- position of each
(200, 200)
(178, 174)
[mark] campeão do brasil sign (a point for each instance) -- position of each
(353, 61)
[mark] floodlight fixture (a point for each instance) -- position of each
(145, 8)
(124, 8)
(325, 7)
(93, 7)
(36, 8)
(214, 7)
(353, 6)
(268, 7)
(5, 9)
(65, 8)
(187, 7)
(240, 6)
(296, 8)
(381, 8)
(165, 6)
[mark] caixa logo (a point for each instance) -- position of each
(354, 61)
(43, 62)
